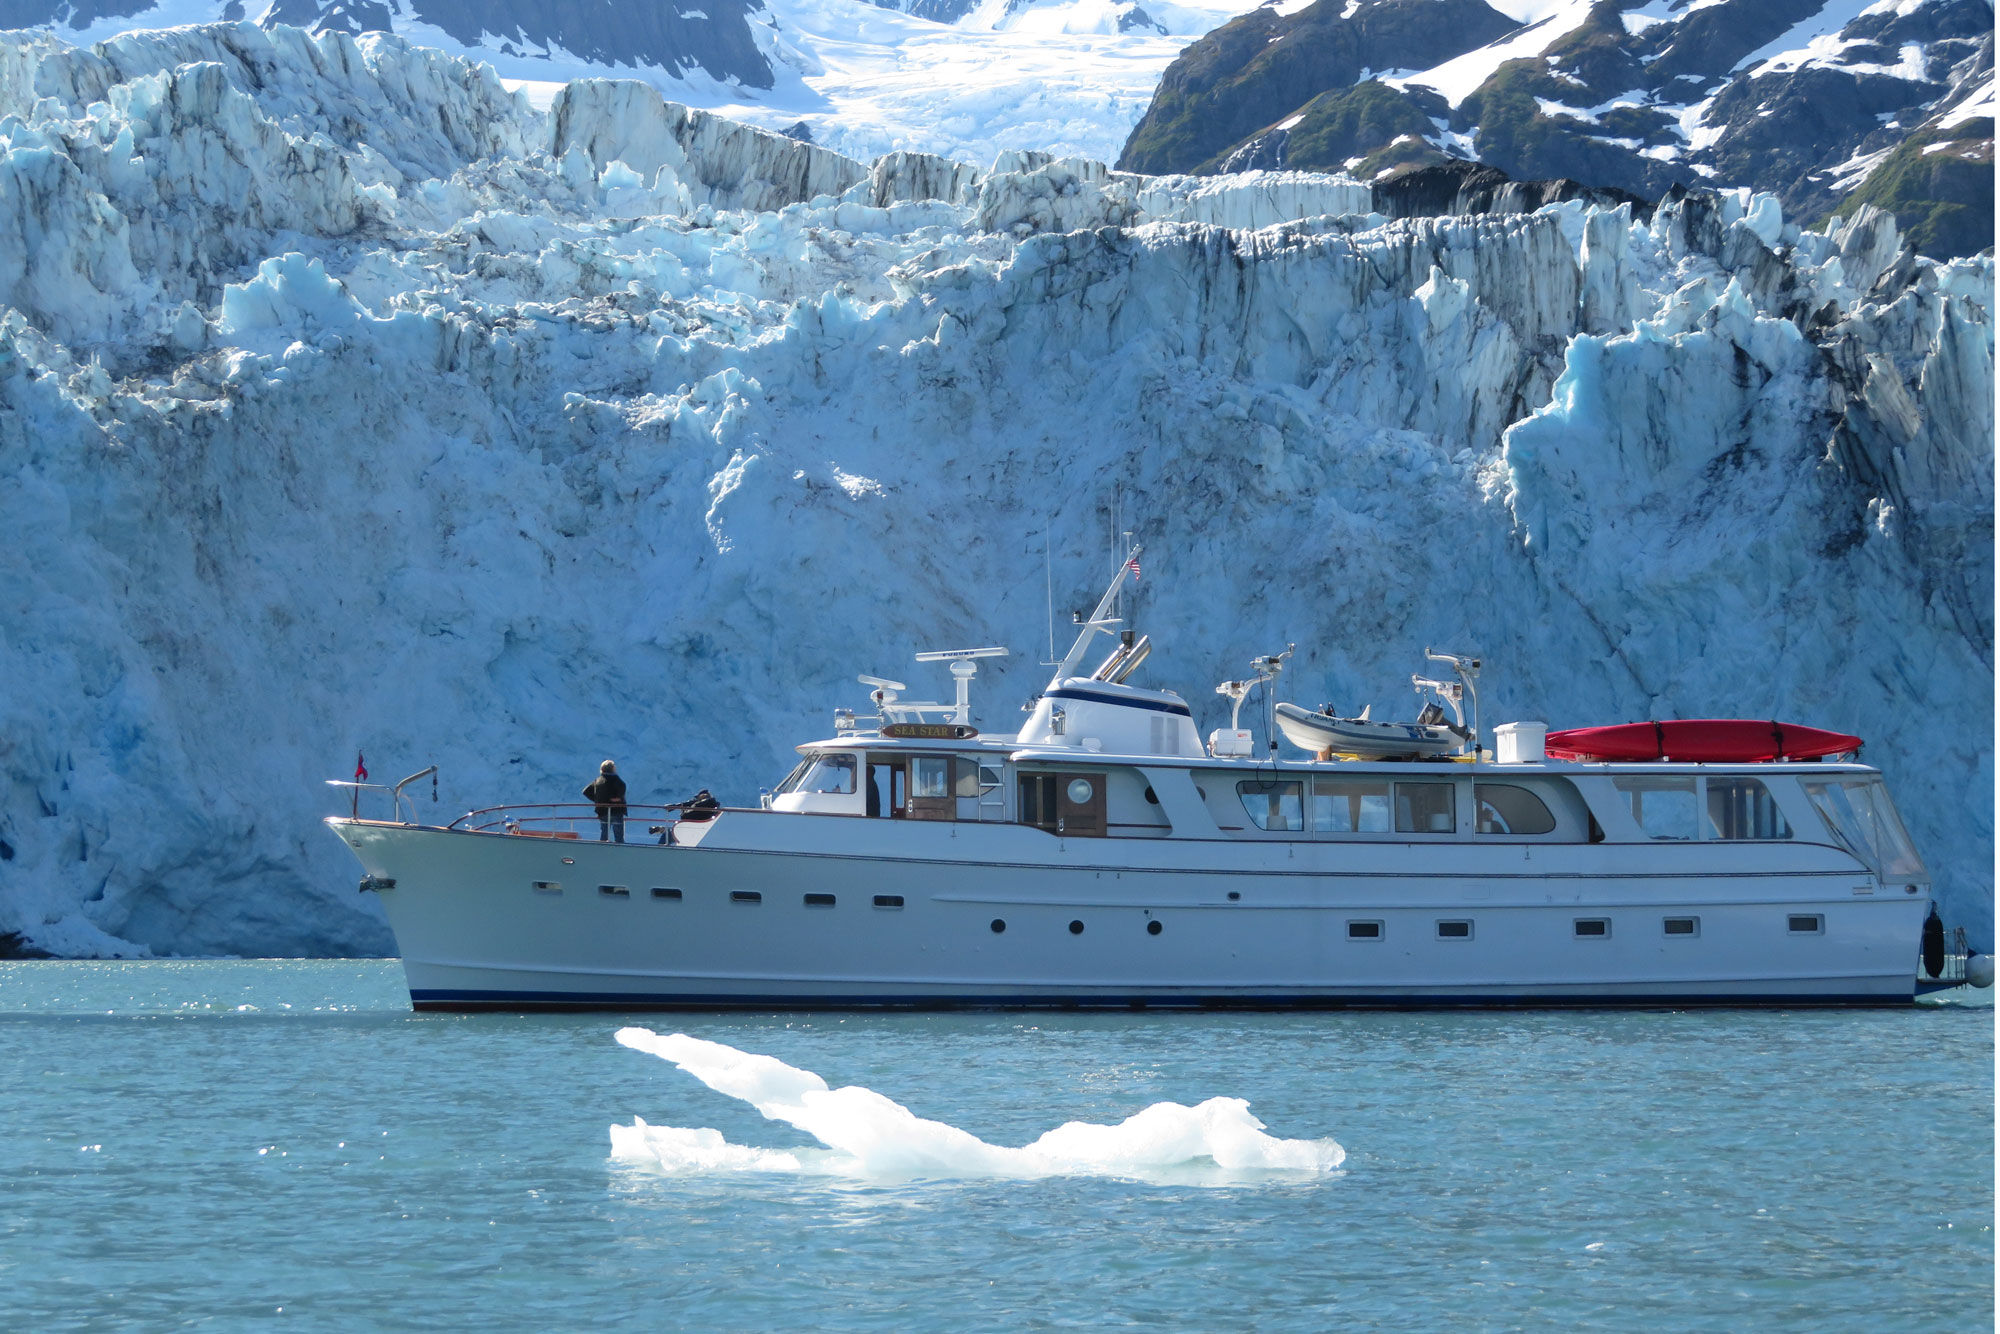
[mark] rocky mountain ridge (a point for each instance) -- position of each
(1822, 103)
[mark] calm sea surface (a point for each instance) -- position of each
(225, 1144)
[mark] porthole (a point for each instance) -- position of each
(662, 892)
(1234, 896)
(1592, 928)
(1681, 926)
(998, 925)
(1454, 930)
(1079, 790)
(888, 900)
(1152, 797)
(819, 900)
(1076, 928)
(1805, 924)
(1364, 930)
(745, 896)
(1153, 928)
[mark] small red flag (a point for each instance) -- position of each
(360, 769)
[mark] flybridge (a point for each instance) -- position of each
(898, 717)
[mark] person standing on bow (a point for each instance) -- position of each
(607, 791)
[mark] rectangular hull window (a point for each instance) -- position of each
(660, 892)
(888, 900)
(548, 886)
(615, 891)
(1454, 931)
(819, 900)
(1806, 924)
(1593, 928)
(1682, 926)
(1364, 930)
(745, 896)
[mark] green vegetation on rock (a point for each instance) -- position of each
(1939, 184)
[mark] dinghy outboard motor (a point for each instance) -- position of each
(1934, 944)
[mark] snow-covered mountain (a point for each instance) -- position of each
(1826, 103)
(349, 402)
(963, 78)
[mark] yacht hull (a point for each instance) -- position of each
(786, 911)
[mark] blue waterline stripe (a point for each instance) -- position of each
(452, 999)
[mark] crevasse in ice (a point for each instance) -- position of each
(349, 403)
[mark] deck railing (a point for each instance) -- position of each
(643, 824)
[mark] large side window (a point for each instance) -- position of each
(1507, 809)
(1744, 808)
(1350, 806)
(829, 773)
(1864, 821)
(1663, 807)
(1274, 806)
(1426, 808)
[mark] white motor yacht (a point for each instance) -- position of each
(1106, 855)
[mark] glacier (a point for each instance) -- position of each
(350, 402)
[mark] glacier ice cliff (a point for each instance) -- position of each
(347, 402)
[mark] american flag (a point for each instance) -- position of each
(1133, 566)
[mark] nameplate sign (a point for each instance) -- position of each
(930, 731)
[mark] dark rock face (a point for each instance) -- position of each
(1467, 187)
(1622, 102)
(712, 36)
(1262, 66)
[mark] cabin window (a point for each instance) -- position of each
(1507, 809)
(1662, 807)
(930, 776)
(930, 788)
(1592, 928)
(1426, 808)
(1744, 808)
(548, 886)
(1273, 806)
(1806, 924)
(829, 773)
(1350, 806)
(1364, 930)
(1681, 926)
(1454, 930)
(745, 896)
(615, 891)
(661, 892)
(888, 900)
(819, 900)
(1865, 823)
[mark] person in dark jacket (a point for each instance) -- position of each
(607, 791)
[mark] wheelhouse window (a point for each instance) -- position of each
(1744, 808)
(1426, 808)
(1864, 821)
(1662, 807)
(1505, 808)
(1273, 806)
(826, 773)
(1350, 806)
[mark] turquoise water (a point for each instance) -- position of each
(211, 1144)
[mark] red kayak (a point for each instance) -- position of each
(1701, 740)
